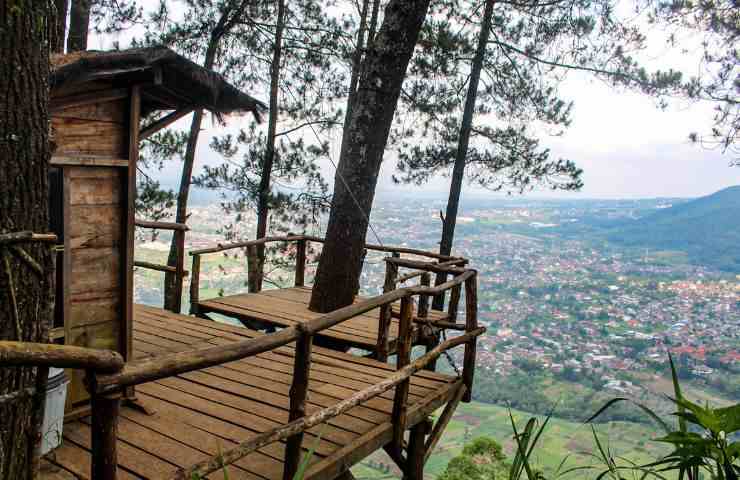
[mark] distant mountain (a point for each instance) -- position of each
(707, 229)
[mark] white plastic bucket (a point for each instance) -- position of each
(56, 395)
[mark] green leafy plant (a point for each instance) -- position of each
(526, 444)
(702, 438)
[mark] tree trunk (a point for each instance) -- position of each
(263, 202)
(60, 20)
(458, 171)
(355, 74)
(26, 298)
(382, 73)
(79, 23)
(373, 22)
(181, 212)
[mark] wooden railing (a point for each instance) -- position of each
(438, 263)
(178, 269)
(108, 376)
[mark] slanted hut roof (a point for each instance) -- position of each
(169, 81)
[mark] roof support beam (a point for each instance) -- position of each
(163, 122)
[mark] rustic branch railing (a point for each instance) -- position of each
(182, 362)
(108, 375)
(178, 269)
(438, 264)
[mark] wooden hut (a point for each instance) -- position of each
(98, 101)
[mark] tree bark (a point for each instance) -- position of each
(458, 171)
(181, 211)
(383, 71)
(263, 202)
(60, 20)
(79, 23)
(228, 19)
(26, 298)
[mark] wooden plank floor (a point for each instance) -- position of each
(201, 413)
(286, 306)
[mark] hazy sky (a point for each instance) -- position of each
(626, 146)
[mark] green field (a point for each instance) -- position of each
(561, 440)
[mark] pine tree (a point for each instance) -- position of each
(717, 80)
(381, 76)
(26, 296)
(485, 80)
(79, 24)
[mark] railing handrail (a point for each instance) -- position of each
(174, 302)
(161, 225)
(28, 354)
(292, 238)
(287, 430)
(444, 267)
(187, 361)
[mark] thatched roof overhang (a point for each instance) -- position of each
(168, 80)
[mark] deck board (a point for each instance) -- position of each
(198, 414)
(287, 306)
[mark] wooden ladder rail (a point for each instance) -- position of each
(178, 232)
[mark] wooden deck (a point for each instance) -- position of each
(286, 306)
(198, 414)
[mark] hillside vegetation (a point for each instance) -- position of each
(707, 229)
(562, 439)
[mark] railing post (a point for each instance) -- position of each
(104, 428)
(391, 274)
(253, 269)
(362, 265)
(194, 284)
(300, 263)
(385, 312)
(179, 268)
(471, 323)
(425, 281)
(439, 300)
(298, 394)
(401, 396)
(454, 302)
(431, 340)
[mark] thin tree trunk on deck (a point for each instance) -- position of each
(79, 23)
(26, 298)
(458, 171)
(181, 213)
(60, 20)
(263, 204)
(383, 71)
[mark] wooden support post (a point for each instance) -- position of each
(425, 281)
(194, 284)
(391, 274)
(439, 299)
(104, 428)
(385, 313)
(415, 457)
(179, 268)
(400, 399)
(431, 339)
(442, 422)
(300, 263)
(454, 303)
(471, 323)
(362, 265)
(298, 393)
(253, 269)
